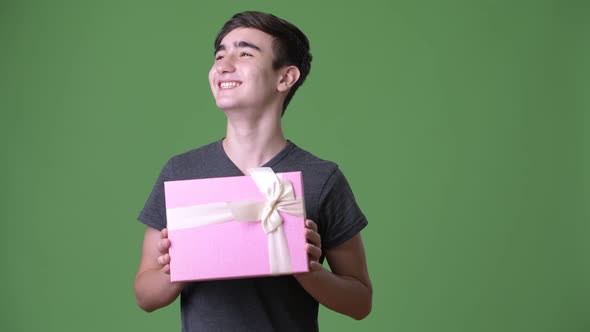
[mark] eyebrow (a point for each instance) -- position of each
(240, 44)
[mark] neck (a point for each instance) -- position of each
(253, 141)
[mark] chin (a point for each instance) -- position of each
(225, 106)
(224, 103)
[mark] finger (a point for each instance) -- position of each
(166, 269)
(161, 260)
(164, 233)
(313, 237)
(164, 246)
(314, 266)
(164, 259)
(310, 224)
(314, 252)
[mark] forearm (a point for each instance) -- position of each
(153, 289)
(343, 294)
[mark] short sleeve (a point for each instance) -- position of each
(153, 213)
(340, 217)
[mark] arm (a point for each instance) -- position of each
(347, 289)
(153, 289)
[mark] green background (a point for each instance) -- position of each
(462, 126)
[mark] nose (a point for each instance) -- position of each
(225, 65)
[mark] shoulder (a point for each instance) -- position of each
(318, 173)
(193, 163)
(309, 163)
(195, 154)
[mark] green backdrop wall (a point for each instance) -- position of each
(462, 126)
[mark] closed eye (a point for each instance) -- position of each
(218, 57)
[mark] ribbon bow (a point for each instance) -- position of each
(279, 194)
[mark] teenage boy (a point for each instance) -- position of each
(260, 61)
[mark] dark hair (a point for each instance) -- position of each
(290, 45)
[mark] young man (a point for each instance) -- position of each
(260, 61)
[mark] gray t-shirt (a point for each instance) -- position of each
(270, 303)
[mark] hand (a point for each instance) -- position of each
(314, 245)
(163, 248)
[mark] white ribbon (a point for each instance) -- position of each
(279, 195)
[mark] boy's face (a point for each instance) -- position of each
(242, 75)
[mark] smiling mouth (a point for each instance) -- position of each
(229, 84)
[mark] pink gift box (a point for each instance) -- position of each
(231, 249)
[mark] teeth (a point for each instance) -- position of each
(226, 85)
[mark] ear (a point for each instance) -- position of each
(289, 76)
